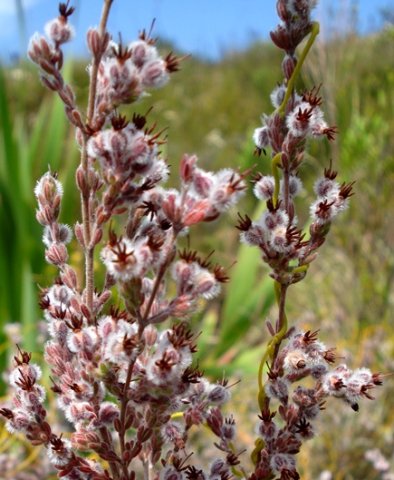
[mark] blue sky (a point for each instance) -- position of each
(200, 27)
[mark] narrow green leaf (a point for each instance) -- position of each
(29, 308)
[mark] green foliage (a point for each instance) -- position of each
(25, 153)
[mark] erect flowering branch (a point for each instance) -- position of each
(98, 45)
(289, 252)
(118, 376)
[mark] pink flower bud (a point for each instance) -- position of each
(264, 188)
(187, 167)
(48, 188)
(154, 74)
(261, 137)
(78, 230)
(59, 30)
(108, 413)
(218, 394)
(288, 65)
(39, 49)
(85, 440)
(196, 213)
(56, 254)
(94, 41)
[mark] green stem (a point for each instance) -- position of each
(276, 161)
(280, 292)
(290, 85)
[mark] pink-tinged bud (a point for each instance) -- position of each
(19, 423)
(281, 8)
(150, 335)
(74, 116)
(94, 42)
(154, 74)
(142, 52)
(85, 440)
(44, 216)
(39, 49)
(80, 411)
(56, 233)
(218, 394)
(78, 230)
(85, 311)
(102, 299)
(218, 466)
(67, 95)
(278, 388)
(196, 213)
(215, 421)
(48, 67)
(182, 306)
(187, 167)
(283, 462)
(203, 182)
(288, 65)
(94, 180)
(97, 236)
(108, 413)
(59, 30)
(268, 430)
(182, 273)
(51, 83)
(47, 190)
(56, 254)
(173, 432)
(81, 181)
(171, 208)
(261, 137)
(264, 188)
(228, 429)
(69, 277)
(277, 95)
(206, 285)
(326, 187)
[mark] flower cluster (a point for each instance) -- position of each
(304, 356)
(28, 416)
(127, 386)
(287, 407)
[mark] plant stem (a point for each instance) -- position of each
(87, 214)
(142, 324)
(273, 345)
(290, 85)
(276, 161)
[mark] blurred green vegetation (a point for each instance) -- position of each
(211, 109)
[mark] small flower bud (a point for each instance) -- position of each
(218, 394)
(154, 74)
(288, 65)
(97, 236)
(56, 254)
(59, 30)
(261, 138)
(264, 188)
(187, 167)
(93, 41)
(81, 181)
(278, 95)
(78, 230)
